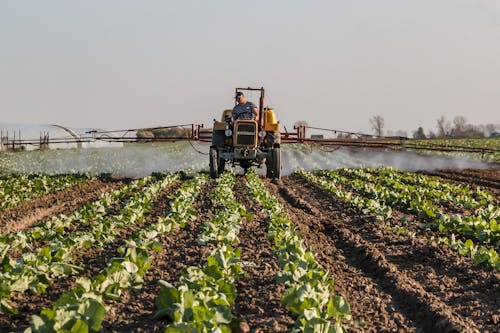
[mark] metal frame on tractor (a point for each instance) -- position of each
(247, 142)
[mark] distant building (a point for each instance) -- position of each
(317, 136)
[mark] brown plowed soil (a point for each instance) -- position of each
(488, 178)
(93, 260)
(135, 311)
(393, 282)
(258, 304)
(28, 213)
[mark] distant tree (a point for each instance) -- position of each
(431, 135)
(490, 128)
(459, 126)
(144, 134)
(463, 130)
(171, 132)
(443, 127)
(472, 132)
(419, 134)
(402, 133)
(377, 123)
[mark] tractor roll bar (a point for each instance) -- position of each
(261, 102)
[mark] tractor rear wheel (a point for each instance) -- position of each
(276, 163)
(222, 165)
(214, 159)
(269, 171)
(273, 164)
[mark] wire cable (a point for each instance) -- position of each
(196, 150)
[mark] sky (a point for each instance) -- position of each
(120, 64)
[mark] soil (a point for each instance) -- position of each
(487, 178)
(392, 282)
(28, 213)
(258, 304)
(135, 311)
(93, 260)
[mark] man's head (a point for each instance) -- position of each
(240, 98)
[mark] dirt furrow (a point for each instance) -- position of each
(471, 290)
(258, 302)
(93, 260)
(28, 213)
(113, 209)
(372, 307)
(430, 301)
(489, 179)
(136, 308)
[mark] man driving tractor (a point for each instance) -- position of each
(244, 109)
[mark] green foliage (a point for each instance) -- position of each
(309, 292)
(378, 190)
(202, 302)
(18, 188)
(83, 308)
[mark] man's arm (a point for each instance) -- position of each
(233, 114)
(256, 112)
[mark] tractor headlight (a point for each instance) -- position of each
(228, 132)
(262, 134)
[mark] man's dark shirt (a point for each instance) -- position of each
(244, 111)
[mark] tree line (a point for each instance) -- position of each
(161, 133)
(457, 128)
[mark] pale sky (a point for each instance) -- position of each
(126, 64)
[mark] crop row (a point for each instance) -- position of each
(481, 224)
(57, 226)
(309, 294)
(35, 271)
(377, 200)
(486, 143)
(203, 299)
(17, 188)
(434, 187)
(84, 307)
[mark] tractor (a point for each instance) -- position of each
(246, 142)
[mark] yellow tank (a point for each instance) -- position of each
(225, 113)
(270, 117)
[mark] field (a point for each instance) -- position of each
(355, 249)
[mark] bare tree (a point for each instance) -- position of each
(443, 127)
(459, 124)
(463, 130)
(377, 123)
(490, 128)
(402, 133)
